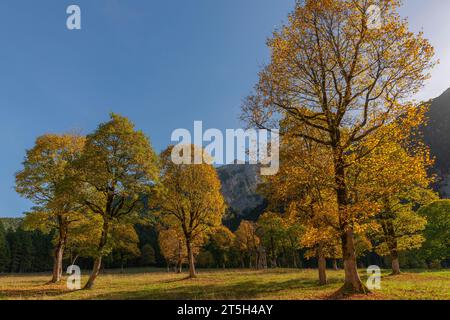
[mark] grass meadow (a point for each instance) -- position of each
(277, 284)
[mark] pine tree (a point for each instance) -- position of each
(4, 250)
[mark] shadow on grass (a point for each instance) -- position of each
(33, 293)
(182, 288)
(237, 291)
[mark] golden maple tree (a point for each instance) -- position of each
(118, 167)
(190, 199)
(395, 176)
(249, 244)
(330, 72)
(45, 180)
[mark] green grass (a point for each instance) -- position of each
(229, 284)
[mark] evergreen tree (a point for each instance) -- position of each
(148, 255)
(4, 250)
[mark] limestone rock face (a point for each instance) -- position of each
(437, 136)
(239, 184)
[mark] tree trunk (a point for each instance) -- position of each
(59, 251)
(95, 273)
(335, 265)
(179, 264)
(273, 258)
(98, 259)
(294, 258)
(395, 266)
(392, 244)
(352, 282)
(58, 261)
(192, 273)
(395, 262)
(322, 266)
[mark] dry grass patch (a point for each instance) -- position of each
(279, 284)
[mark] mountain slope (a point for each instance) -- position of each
(239, 183)
(11, 223)
(437, 136)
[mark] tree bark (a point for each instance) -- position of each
(352, 282)
(395, 266)
(273, 258)
(95, 273)
(192, 272)
(335, 265)
(257, 258)
(98, 260)
(395, 262)
(59, 251)
(322, 266)
(392, 244)
(57, 264)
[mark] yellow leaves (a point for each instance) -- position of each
(46, 166)
(246, 236)
(190, 194)
(39, 220)
(125, 239)
(172, 246)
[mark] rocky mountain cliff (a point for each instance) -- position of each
(437, 136)
(239, 183)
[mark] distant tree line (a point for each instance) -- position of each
(32, 251)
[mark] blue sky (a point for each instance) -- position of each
(162, 63)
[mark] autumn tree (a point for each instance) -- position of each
(303, 191)
(249, 243)
(173, 248)
(148, 255)
(190, 196)
(437, 232)
(83, 240)
(220, 241)
(124, 241)
(331, 71)
(205, 258)
(44, 180)
(395, 176)
(273, 235)
(281, 238)
(118, 167)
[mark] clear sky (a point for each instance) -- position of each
(162, 63)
